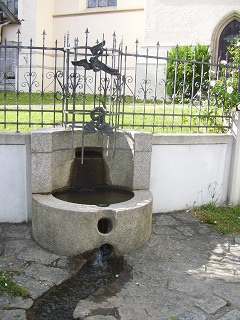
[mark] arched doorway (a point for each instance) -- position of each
(227, 28)
(227, 37)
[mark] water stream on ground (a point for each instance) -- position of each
(60, 301)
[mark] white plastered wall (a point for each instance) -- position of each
(184, 22)
(126, 20)
(190, 170)
(15, 177)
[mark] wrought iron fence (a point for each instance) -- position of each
(82, 85)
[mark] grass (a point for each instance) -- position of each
(226, 220)
(7, 285)
(164, 118)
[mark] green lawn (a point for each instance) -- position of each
(166, 119)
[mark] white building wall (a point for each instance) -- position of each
(170, 22)
(27, 16)
(126, 20)
(35, 16)
(44, 21)
(184, 22)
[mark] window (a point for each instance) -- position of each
(227, 36)
(227, 28)
(8, 58)
(12, 5)
(101, 3)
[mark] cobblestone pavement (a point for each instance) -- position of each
(185, 272)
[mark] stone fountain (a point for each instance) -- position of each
(71, 166)
(70, 228)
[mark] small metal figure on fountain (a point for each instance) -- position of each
(95, 64)
(97, 114)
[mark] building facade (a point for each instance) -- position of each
(191, 22)
(170, 22)
(167, 22)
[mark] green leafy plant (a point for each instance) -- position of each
(225, 86)
(7, 285)
(186, 70)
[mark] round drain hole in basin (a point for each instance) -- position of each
(104, 225)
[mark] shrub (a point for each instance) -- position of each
(225, 86)
(187, 73)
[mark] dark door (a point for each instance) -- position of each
(227, 36)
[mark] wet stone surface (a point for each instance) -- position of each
(185, 272)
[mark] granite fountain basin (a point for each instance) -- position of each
(121, 161)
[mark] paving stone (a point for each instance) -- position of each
(185, 217)
(231, 315)
(203, 229)
(62, 263)
(187, 286)
(186, 271)
(101, 318)
(229, 292)
(167, 231)
(185, 230)
(190, 316)
(16, 231)
(13, 315)
(35, 288)
(237, 239)
(133, 312)
(88, 306)
(15, 302)
(165, 220)
(53, 276)
(38, 255)
(14, 247)
(1, 249)
(11, 264)
(211, 304)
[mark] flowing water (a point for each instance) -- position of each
(60, 302)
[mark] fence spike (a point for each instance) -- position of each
(68, 35)
(76, 40)
(136, 45)
(18, 35)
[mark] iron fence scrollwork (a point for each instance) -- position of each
(102, 89)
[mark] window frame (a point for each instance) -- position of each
(98, 6)
(12, 5)
(218, 30)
